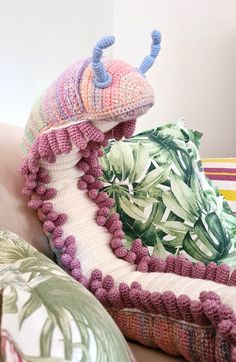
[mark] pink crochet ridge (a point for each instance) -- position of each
(206, 311)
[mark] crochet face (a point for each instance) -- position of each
(128, 96)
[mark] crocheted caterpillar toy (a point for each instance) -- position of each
(93, 101)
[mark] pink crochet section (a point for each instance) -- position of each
(207, 311)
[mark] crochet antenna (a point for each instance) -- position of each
(155, 48)
(102, 78)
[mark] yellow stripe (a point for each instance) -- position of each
(229, 195)
(230, 159)
(221, 173)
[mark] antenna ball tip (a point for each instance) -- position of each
(107, 41)
(156, 36)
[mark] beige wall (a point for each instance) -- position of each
(38, 40)
(195, 75)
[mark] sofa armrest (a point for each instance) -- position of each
(14, 213)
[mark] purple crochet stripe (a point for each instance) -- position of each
(61, 98)
(208, 310)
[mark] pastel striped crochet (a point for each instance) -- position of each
(175, 337)
(92, 102)
(83, 92)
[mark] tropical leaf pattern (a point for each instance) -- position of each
(164, 197)
(47, 316)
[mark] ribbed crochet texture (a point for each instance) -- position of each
(62, 170)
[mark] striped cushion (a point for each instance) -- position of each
(222, 171)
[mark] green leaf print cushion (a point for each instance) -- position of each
(164, 197)
(47, 316)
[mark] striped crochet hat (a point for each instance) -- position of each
(94, 89)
